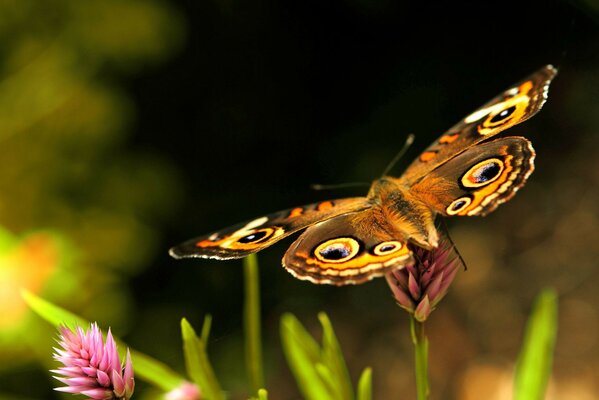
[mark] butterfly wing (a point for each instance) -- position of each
(515, 105)
(249, 237)
(348, 249)
(476, 181)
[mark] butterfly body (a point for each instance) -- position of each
(407, 214)
(353, 240)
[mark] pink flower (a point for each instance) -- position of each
(185, 391)
(92, 368)
(419, 287)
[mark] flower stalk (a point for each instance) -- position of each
(253, 341)
(420, 342)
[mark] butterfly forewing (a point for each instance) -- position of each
(249, 237)
(513, 106)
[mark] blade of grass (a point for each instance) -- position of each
(253, 342)
(365, 385)
(333, 358)
(303, 354)
(534, 362)
(146, 367)
(197, 363)
(205, 334)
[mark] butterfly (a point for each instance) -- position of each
(353, 240)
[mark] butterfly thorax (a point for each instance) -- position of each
(403, 212)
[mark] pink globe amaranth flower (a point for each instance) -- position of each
(92, 368)
(185, 391)
(419, 287)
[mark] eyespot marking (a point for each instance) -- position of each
(385, 248)
(428, 155)
(483, 173)
(337, 250)
(458, 205)
(502, 116)
(256, 236)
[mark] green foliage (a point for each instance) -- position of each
(68, 167)
(365, 385)
(197, 363)
(534, 362)
(320, 371)
(262, 395)
(145, 366)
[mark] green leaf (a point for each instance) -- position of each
(197, 363)
(206, 328)
(52, 313)
(534, 362)
(332, 357)
(303, 355)
(145, 367)
(365, 385)
(320, 371)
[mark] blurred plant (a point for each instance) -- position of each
(92, 368)
(320, 370)
(534, 362)
(196, 360)
(41, 261)
(65, 167)
(186, 391)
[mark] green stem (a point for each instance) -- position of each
(253, 344)
(420, 357)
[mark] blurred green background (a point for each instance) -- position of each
(129, 126)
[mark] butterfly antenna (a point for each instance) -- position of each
(334, 186)
(399, 155)
(455, 248)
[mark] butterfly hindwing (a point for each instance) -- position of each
(249, 237)
(348, 249)
(479, 179)
(513, 106)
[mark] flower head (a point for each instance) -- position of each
(185, 391)
(92, 368)
(419, 287)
